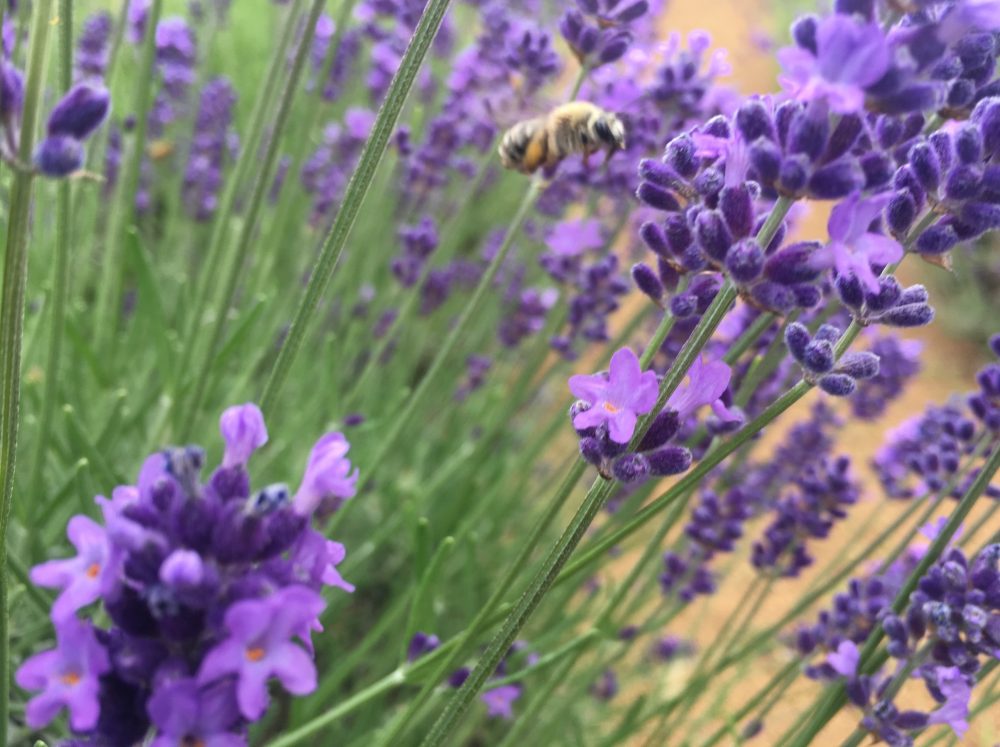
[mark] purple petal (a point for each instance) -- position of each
(226, 658)
(845, 659)
(243, 430)
(588, 387)
(251, 692)
(294, 668)
(624, 371)
(591, 418)
(882, 250)
(621, 426)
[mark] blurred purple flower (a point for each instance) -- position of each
(850, 56)
(82, 578)
(706, 382)
(186, 714)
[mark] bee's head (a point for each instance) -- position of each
(608, 129)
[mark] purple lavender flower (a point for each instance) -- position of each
(845, 659)
(210, 144)
(185, 713)
(706, 383)
(67, 676)
(954, 712)
(72, 120)
(83, 578)
(421, 644)
(328, 476)
(500, 701)
(92, 46)
(849, 56)
(617, 398)
(244, 432)
(853, 247)
(259, 647)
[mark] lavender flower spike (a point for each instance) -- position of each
(244, 432)
(955, 710)
(853, 248)
(850, 56)
(260, 647)
(67, 677)
(617, 398)
(328, 475)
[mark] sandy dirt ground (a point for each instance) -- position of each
(741, 27)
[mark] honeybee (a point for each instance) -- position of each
(577, 127)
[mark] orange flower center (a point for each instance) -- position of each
(70, 678)
(93, 569)
(611, 408)
(255, 654)
(193, 742)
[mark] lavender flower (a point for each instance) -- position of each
(92, 46)
(73, 119)
(211, 591)
(210, 144)
(67, 675)
(617, 398)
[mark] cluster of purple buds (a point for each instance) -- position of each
(176, 53)
(211, 590)
(925, 452)
(418, 243)
(823, 497)
(476, 368)
(950, 174)
(668, 648)
(211, 141)
(817, 356)
(526, 316)
(499, 700)
(985, 404)
(890, 305)
(325, 173)
(951, 623)
(597, 287)
(342, 65)
(684, 79)
(75, 118)
(717, 229)
(929, 60)
(92, 47)
(609, 405)
(606, 686)
(899, 361)
(597, 31)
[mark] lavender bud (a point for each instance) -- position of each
(877, 168)
(836, 180)
(792, 264)
(804, 32)
(736, 205)
(765, 157)
(926, 166)
(901, 212)
(774, 296)
(657, 172)
(797, 338)
(995, 345)
(987, 116)
(591, 451)
(864, 8)
(908, 315)
(753, 121)
(914, 294)
(647, 281)
(670, 460)
(937, 239)
(662, 429)
(11, 91)
(713, 236)
(818, 357)
(709, 182)
(981, 217)
(969, 145)
(806, 296)
(962, 183)
(657, 197)
(837, 385)
(887, 296)
(860, 365)
(678, 233)
(59, 156)
(631, 468)
(745, 261)
(680, 155)
(654, 237)
(683, 306)
(828, 332)
(668, 275)
(79, 112)
(793, 175)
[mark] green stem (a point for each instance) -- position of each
(60, 279)
(482, 619)
(235, 261)
(354, 195)
(112, 275)
(418, 397)
(15, 272)
(778, 685)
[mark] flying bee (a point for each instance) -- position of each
(577, 127)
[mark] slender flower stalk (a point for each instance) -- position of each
(355, 194)
(11, 327)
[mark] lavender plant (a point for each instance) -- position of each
(301, 204)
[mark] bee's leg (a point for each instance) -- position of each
(607, 155)
(586, 159)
